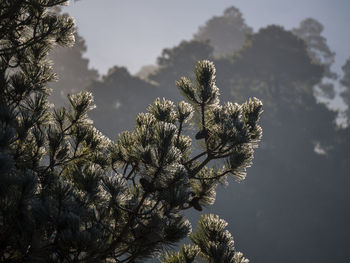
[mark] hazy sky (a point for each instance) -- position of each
(132, 33)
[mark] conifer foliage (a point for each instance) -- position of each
(69, 194)
(211, 242)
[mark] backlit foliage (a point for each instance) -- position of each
(69, 194)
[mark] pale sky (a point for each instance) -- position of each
(132, 33)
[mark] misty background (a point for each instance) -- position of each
(294, 56)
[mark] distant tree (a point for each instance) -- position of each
(72, 69)
(69, 194)
(225, 33)
(145, 71)
(298, 178)
(120, 96)
(345, 81)
(275, 64)
(175, 62)
(310, 30)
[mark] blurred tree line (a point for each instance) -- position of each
(296, 204)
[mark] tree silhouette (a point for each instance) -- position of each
(225, 33)
(345, 81)
(310, 30)
(297, 182)
(277, 64)
(176, 62)
(119, 96)
(72, 69)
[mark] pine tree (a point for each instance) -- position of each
(69, 194)
(211, 242)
